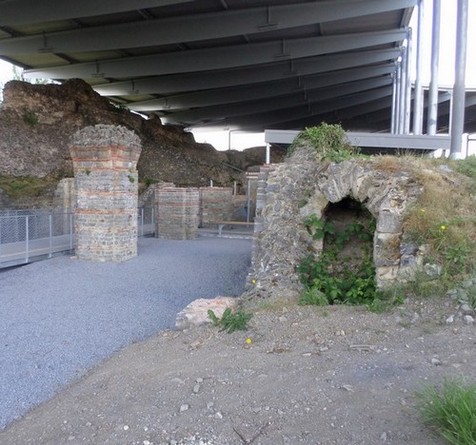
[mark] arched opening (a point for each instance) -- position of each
(348, 273)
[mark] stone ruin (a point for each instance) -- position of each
(301, 186)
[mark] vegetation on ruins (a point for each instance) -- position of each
(25, 186)
(344, 271)
(442, 223)
(231, 321)
(329, 142)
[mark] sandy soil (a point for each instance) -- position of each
(334, 375)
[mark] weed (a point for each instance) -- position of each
(331, 278)
(131, 179)
(313, 296)
(30, 118)
(231, 322)
(328, 141)
(450, 411)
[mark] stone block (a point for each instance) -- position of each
(196, 313)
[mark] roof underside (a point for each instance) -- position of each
(237, 64)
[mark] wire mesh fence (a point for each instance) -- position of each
(27, 234)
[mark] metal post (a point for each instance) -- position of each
(397, 98)
(418, 101)
(394, 102)
(142, 220)
(248, 200)
(457, 125)
(403, 88)
(408, 84)
(27, 239)
(50, 223)
(71, 231)
(435, 49)
(268, 153)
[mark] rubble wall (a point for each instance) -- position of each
(289, 192)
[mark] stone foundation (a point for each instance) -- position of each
(106, 183)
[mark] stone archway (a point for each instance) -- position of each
(289, 193)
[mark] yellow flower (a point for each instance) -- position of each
(422, 210)
(442, 227)
(253, 281)
(248, 341)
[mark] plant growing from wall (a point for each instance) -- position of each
(329, 141)
(30, 118)
(333, 278)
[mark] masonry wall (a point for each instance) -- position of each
(216, 204)
(177, 212)
(288, 193)
(106, 183)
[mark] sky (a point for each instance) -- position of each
(224, 140)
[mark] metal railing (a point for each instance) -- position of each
(26, 235)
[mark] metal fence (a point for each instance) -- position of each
(32, 234)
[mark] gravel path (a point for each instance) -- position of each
(59, 318)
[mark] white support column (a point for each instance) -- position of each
(435, 49)
(394, 103)
(403, 89)
(418, 95)
(458, 103)
(397, 97)
(408, 84)
(268, 153)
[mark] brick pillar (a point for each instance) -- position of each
(177, 213)
(106, 181)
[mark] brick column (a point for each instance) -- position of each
(106, 181)
(177, 213)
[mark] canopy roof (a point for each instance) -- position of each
(238, 64)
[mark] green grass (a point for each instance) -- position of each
(450, 411)
(25, 186)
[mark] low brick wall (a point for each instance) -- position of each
(177, 213)
(106, 183)
(216, 204)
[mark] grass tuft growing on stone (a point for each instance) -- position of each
(450, 411)
(328, 141)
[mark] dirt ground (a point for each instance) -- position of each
(334, 375)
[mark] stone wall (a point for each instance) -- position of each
(106, 183)
(288, 193)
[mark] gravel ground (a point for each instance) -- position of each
(61, 317)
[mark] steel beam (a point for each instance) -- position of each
(19, 12)
(303, 112)
(196, 27)
(364, 139)
(219, 58)
(261, 90)
(193, 117)
(246, 75)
